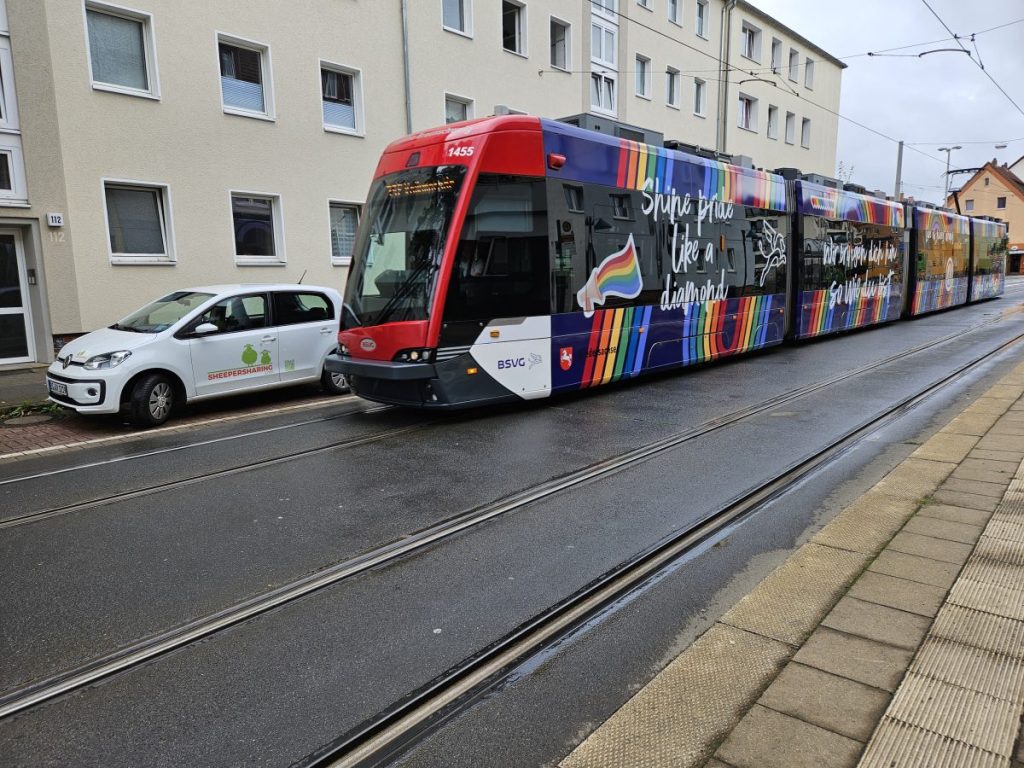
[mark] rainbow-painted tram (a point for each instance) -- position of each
(513, 257)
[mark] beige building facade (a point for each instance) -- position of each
(995, 190)
(147, 146)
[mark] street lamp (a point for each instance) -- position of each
(948, 151)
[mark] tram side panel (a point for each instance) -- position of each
(989, 245)
(939, 260)
(660, 259)
(849, 265)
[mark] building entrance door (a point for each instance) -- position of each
(16, 340)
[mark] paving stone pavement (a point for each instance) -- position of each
(894, 637)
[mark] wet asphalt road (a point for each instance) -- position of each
(270, 691)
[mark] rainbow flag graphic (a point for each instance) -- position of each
(617, 275)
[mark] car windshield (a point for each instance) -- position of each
(162, 313)
(399, 245)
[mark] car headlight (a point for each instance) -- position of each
(109, 360)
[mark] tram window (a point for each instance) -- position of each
(502, 265)
(573, 198)
(730, 255)
(620, 207)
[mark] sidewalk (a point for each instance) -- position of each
(894, 638)
(22, 384)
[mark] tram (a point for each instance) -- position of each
(509, 258)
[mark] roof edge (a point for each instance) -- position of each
(747, 6)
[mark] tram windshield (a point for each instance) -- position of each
(399, 246)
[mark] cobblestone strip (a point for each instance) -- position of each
(800, 671)
(962, 699)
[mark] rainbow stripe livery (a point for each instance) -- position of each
(618, 275)
(817, 317)
(988, 286)
(930, 295)
(928, 220)
(816, 200)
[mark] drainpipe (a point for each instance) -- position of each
(723, 86)
(405, 62)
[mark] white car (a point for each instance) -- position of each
(201, 343)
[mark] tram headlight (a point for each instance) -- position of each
(414, 355)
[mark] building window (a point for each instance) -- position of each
(602, 92)
(699, 96)
(341, 98)
(455, 16)
(1000, 203)
(750, 41)
(809, 73)
(644, 4)
(969, 204)
(673, 11)
(120, 50)
(606, 8)
(702, 18)
(559, 45)
(748, 113)
(773, 122)
(244, 74)
(603, 44)
(790, 128)
(643, 76)
(138, 222)
(344, 222)
(457, 109)
(805, 133)
(672, 87)
(513, 30)
(794, 64)
(985, 181)
(257, 223)
(776, 55)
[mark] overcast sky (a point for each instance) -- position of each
(942, 99)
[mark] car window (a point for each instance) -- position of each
(291, 307)
(162, 313)
(237, 313)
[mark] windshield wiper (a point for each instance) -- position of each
(130, 329)
(402, 291)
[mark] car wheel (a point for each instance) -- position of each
(334, 383)
(152, 400)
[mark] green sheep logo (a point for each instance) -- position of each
(265, 358)
(249, 355)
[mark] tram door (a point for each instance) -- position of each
(16, 339)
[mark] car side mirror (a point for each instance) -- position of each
(204, 328)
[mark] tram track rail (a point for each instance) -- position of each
(393, 731)
(125, 658)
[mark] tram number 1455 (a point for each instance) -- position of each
(461, 151)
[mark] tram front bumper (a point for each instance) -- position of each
(375, 369)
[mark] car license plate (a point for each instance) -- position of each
(57, 388)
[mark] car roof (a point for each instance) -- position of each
(236, 287)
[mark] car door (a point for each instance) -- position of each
(307, 328)
(242, 354)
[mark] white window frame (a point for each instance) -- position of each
(773, 111)
(1003, 206)
(357, 98)
(702, 29)
(170, 256)
(700, 97)
(467, 16)
(468, 102)
(604, 26)
(675, 17)
(790, 128)
(794, 65)
(148, 42)
(809, 73)
(776, 61)
(751, 112)
(752, 33)
(969, 205)
(342, 261)
(524, 50)
(10, 145)
(266, 75)
(277, 213)
(805, 133)
(598, 8)
(672, 87)
(613, 78)
(8, 94)
(645, 63)
(568, 43)
(645, 4)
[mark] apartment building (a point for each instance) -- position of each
(147, 146)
